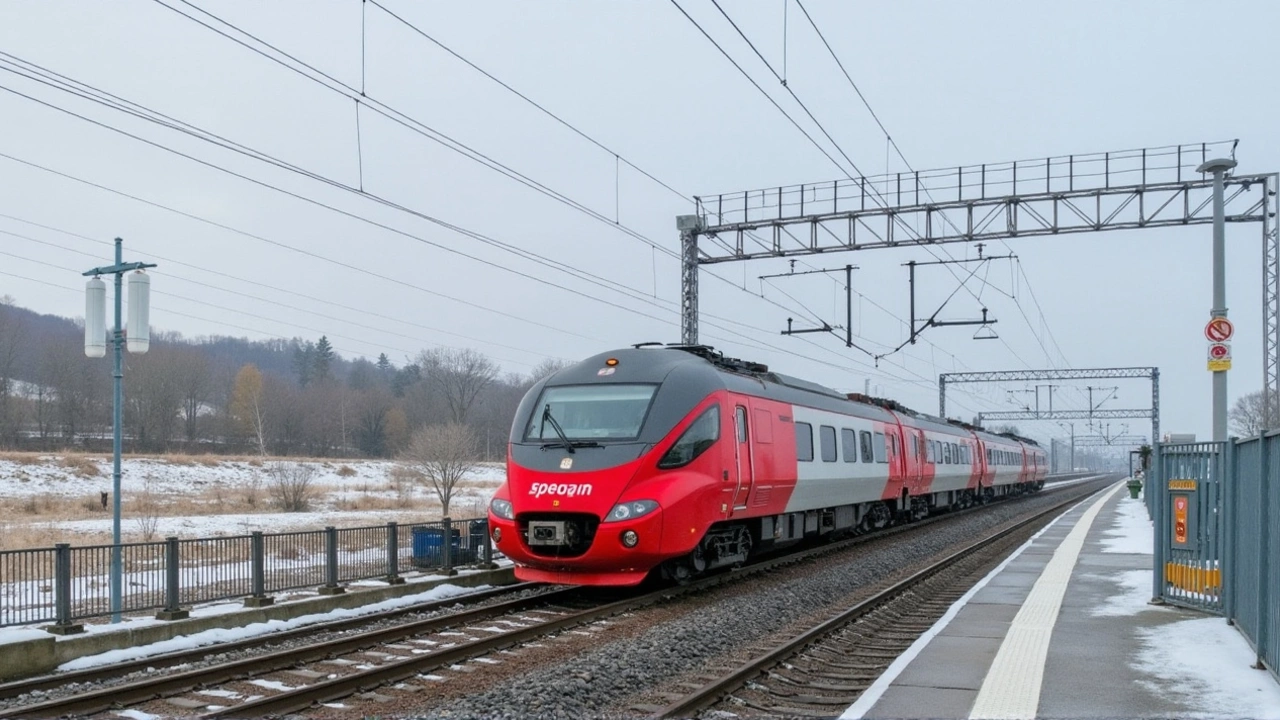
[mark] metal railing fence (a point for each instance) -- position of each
(66, 584)
(1216, 508)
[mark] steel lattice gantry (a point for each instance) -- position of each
(1132, 189)
(1067, 374)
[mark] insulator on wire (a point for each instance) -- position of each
(138, 330)
(95, 318)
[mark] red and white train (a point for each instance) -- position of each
(675, 457)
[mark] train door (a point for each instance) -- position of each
(746, 467)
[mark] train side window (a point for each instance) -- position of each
(915, 447)
(702, 434)
(946, 453)
(955, 454)
(893, 446)
(740, 415)
(764, 426)
(849, 445)
(827, 440)
(804, 442)
(880, 446)
(928, 451)
(865, 439)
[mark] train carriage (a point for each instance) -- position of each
(676, 458)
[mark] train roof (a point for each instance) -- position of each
(684, 365)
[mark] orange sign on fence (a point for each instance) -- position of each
(1180, 519)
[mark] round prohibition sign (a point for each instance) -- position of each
(1218, 330)
(1218, 352)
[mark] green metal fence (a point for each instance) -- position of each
(1217, 544)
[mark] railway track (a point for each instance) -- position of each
(47, 683)
(375, 663)
(823, 669)
(176, 684)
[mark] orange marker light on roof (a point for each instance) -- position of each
(611, 362)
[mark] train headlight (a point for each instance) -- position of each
(497, 534)
(629, 510)
(630, 538)
(502, 509)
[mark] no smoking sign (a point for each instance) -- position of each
(1218, 330)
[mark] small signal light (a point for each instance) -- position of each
(611, 362)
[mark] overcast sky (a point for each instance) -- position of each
(954, 83)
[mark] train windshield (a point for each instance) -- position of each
(591, 412)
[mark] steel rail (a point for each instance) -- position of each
(94, 675)
(712, 692)
(152, 688)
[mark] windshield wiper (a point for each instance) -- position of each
(547, 417)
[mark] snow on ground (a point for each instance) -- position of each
(222, 635)
(193, 526)
(206, 496)
(1131, 532)
(1204, 663)
(68, 476)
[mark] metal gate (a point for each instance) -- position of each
(1187, 488)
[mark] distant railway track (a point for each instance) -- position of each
(401, 651)
(823, 669)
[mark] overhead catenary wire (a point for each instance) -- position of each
(890, 142)
(268, 185)
(166, 121)
(257, 50)
(80, 291)
(903, 157)
(363, 322)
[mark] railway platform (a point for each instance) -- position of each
(1065, 628)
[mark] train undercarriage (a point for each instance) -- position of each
(732, 543)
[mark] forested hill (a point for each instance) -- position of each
(37, 335)
(235, 395)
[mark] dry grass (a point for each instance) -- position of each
(346, 471)
(23, 458)
(81, 465)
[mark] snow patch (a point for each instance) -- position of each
(1205, 664)
(137, 715)
(1131, 530)
(1134, 597)
(223, 635)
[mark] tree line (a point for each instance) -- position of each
(235, 396)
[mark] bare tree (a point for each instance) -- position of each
(146, 513)
(443, 454)
(246, 405)
(545, 369)
(1248, 415)
(154, 400)
(195, 387)
(459, 375)
(291, 485)
(10, 342)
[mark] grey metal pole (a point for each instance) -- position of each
(117, 411)
(1219, 167)
(942, 396)
(689, 225)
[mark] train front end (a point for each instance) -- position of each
(593, 496)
